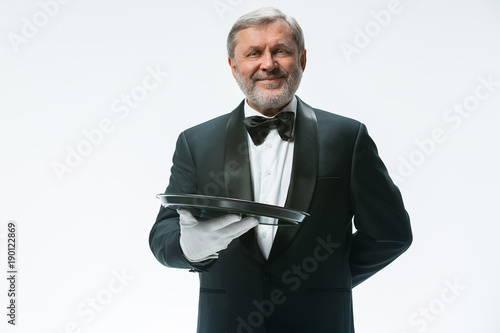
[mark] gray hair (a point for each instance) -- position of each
(262, 17)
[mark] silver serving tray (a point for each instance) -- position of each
(207, 207)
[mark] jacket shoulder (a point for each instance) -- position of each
(208, 129)
(328, 121)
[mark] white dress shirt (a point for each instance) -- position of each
(271, 168)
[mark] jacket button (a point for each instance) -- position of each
(267, 277)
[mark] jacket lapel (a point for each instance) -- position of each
(304, 172)
(237, 175)
(238, 178)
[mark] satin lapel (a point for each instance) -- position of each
(304, 172)
(237, 175)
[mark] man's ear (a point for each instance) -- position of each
(303, 60)
(232, 65)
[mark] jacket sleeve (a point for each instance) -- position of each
(164, 236)
(382, 223)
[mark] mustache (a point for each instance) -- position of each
(272, 74)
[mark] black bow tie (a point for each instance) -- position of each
(258, 127)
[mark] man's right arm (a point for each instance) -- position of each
(175, 238)
(165, 234)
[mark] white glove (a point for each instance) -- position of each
(203, 240)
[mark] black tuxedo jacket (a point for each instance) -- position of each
(305, 285)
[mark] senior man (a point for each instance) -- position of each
(275, 149)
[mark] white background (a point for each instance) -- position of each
(78, 231)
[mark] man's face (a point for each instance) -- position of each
(267, 66)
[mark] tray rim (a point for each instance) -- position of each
(291, 213)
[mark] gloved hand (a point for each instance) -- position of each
(203, 240)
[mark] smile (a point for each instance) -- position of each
(268, 80)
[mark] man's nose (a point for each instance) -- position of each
(268, 62)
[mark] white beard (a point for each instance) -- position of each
(271, 97)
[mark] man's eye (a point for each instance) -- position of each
(253, 54)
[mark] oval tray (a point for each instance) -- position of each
(206, 207)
